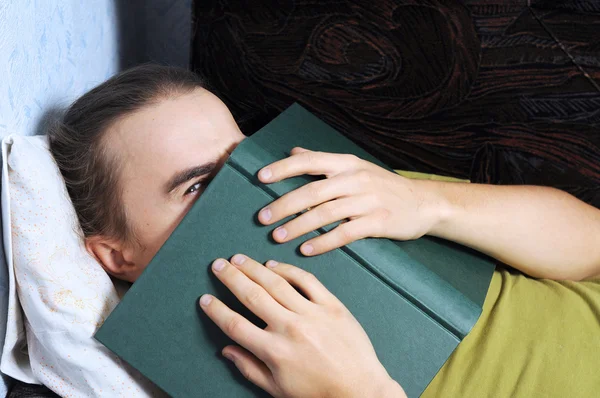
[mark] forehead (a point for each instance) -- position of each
(172, 134)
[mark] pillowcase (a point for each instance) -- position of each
(58, 293)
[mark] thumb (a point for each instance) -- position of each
(251, 368)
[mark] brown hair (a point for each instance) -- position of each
(90, 172)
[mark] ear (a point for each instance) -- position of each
(114, 256)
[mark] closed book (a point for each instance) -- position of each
(415, 299)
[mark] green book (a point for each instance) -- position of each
(416, 300)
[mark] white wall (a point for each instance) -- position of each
(51, 51)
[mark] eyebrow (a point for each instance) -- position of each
(186, 175)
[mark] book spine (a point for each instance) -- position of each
(416, 283)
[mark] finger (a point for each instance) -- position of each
(251, 368)
(298, 150)
(341, 235)
(307, 162)
(322, 215)
(238, 328)
(253, 296)
(309, 195)
(274, 284)
(312, 288)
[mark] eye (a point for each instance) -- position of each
(193, 189)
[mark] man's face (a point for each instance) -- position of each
(169, 151)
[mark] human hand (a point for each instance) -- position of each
(311, 347)
(376, 202)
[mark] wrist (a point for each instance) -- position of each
(375, 386)
(392, 390)
(436, 206)
(386, 387)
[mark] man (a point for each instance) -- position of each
(137, 151)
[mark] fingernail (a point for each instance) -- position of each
(265, 214)
(238, 259)
(265, 174)
(272, 263)
(229, 356)
(218, 265)
(205, 300)
(280, 233)
(307, 249)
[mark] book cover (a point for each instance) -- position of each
(416, 300)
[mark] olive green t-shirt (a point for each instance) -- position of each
(535, 338)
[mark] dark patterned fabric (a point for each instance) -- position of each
(495, 91)
(24, 390)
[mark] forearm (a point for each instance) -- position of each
(543, 232)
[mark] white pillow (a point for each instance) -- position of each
(61, 295)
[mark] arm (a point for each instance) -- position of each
(543, 232)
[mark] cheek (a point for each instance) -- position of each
(153, 228)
